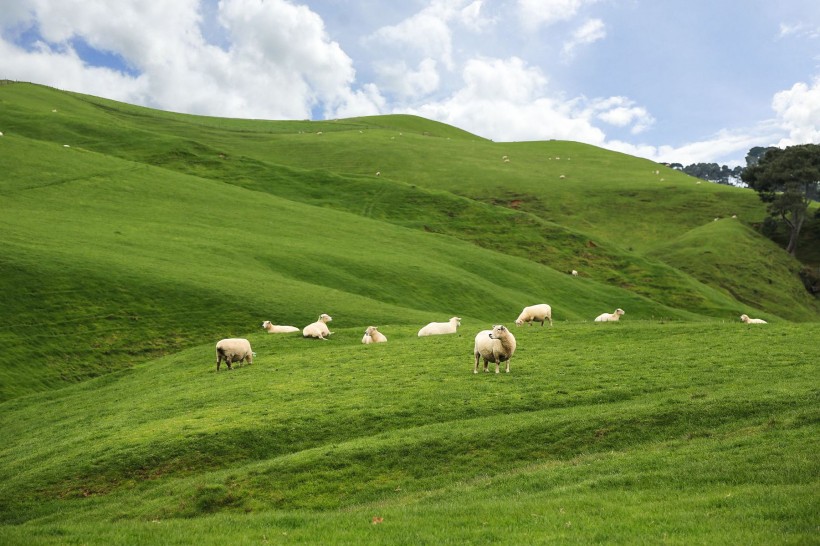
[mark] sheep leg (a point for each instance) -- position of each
(508, 367)
(477, 358)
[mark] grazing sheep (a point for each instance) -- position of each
(438, 328)
(319, 328)
(747, 320)
(496, 345)
(610, 317)
(372, 335)
(233, 350)
(574, 273)
(540, 312)
(277, 329)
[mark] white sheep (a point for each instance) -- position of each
(747, 320)
(278, 329)
(438, 328)
(233, 350)
(610, 317)
(496, 345)
(574, 273)
(319, 328)
(540, 312)
(372, 335)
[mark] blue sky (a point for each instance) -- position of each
(672, 80)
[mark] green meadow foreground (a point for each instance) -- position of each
(619, 433)
(133, 240)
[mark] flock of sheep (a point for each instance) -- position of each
(496, 345)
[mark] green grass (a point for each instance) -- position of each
(125, 256)
(681, 430)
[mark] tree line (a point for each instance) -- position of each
(786, 179)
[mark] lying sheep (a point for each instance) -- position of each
(278, 329)
(372, 335)
(610, 317)
(319, 328)
(438, 328)
(540, 312)
(747, 320)
(496, 345)
(233, 350)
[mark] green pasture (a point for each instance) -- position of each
(635, 431)
(132, 240)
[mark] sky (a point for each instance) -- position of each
(683, 81)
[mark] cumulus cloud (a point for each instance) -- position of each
(798, 113)
(622, 112)
(407, 83)
(277, 60)
(536, 13)
(505, 99)
(429, 32)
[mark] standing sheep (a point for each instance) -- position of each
(747, 320)
(540, 312)
(319, 328)
(278, 329)
(233, 350)
(439, 328)
(372, 335)
(610, 317)
(496, 345)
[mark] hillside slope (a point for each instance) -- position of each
(131, 232)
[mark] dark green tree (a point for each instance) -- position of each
(787, 179)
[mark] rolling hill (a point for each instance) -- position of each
(132, 239)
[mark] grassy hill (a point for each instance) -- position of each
(133, 239)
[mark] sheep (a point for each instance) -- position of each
(610, 317)
(319, 328)
(233, 350)
(747, 320)
(540, 312)
(278, 329)
(496, 345)
(438, 328)
(372, 335)
(574, 273)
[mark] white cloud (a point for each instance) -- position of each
(407, 83)
(507, 100)
(800, 30)
(622, 112)
(798, 113)
(537, 13)
(427, 32)
(588, 33)
(278, 62)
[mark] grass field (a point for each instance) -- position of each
(133, 240)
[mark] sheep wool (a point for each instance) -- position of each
(537, 313)
(440, 328)
(496, 345)
(610, 317)
(319, 328)
(372, 335)
(277, 328)
(233, 350)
